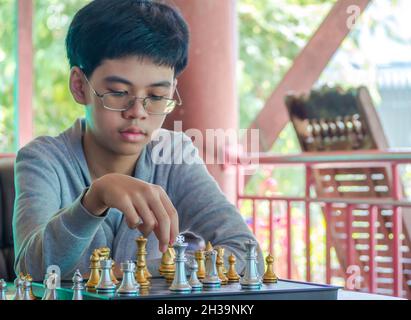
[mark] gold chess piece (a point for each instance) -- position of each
(94, 277)
(140, 276)
(220, 270)
(199, 256)
(269, 275)
(167, 266)
(220, 253)
(232, 274)
(28, 277)
(142, 253)
(209, 247)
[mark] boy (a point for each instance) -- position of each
(97, 183)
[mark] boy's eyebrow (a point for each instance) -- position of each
(166, 84)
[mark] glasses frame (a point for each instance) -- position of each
(145, 100)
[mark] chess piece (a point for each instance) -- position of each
(269, 275)
(220, 270)
(105, 284)
(211, 280)
(180, 283)
(195, 284)
(232, 274)
(94, 277)
(167, 266)
(209, 247)
(105, 255)
(26, 290)
(29, 278)
(18, 284)
(128, 286)
(220, 254)
(77, 286)
(140, 276)
(251, 279)
(199, 256)
(3, 290)
(142, 253)
(50, 283)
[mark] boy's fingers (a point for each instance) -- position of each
(133, 219)
(162, 230)
(172, 214)
(148, 218)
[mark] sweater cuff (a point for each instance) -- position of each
(79, 221)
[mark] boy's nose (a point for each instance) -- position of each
(137, 110)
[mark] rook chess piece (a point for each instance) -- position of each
(195, 284)
(142, 253)
(269, 275)
(232, 274)
(211, 280)
(105, 285)
(199, 256)
(3, 290)
(251, 279)
(167, 266)
(180, 283)
(128, 286)
(94, 277)
(18, 284)
(77, 286)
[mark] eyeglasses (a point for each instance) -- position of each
(122, 101)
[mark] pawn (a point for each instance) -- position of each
(195, 284)
(18, 284)
(232, 274)
(269, 275)
(77, 286)
(3, 290)
(26, 289)
(199, 256)
(220, 270)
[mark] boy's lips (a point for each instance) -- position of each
(133, 134)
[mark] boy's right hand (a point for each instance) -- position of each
(145, 206)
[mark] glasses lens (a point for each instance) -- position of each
(160, 105)
(117, 100)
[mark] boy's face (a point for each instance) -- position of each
(126, 132)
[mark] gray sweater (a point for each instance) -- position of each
(51, 226)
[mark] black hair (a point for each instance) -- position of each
(112, 29)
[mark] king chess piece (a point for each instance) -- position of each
(180, 283)
(129, 286)
(77, 286)
(211, 280)
(106, 284)
(251, 280)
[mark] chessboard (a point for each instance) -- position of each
(159, 290)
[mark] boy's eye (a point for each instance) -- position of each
(156, 98)
(118, 93)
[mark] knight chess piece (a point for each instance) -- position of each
(77, 286)
(129, 286)
(142, 253)
(232, 274)
(105, 284)
(269, 275)
(94, 277)
(199, 256)
(251, 280)
(195, 284)
(167, 265)
(18, 284)
(3, 290)
(26, 290)
(180, 283)
(211, 280)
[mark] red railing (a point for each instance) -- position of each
(312, 161)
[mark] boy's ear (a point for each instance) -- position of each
(77, 85)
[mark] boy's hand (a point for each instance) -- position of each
(145, 206)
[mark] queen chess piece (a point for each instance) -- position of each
(180, 283)
(251, 279)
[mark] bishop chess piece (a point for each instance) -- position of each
(106, 284)
(232, 274)
(199, 256)
(167, 266)
(77, 286)
(94, 277)
(3, 290)
(142, 253)
(18, 284)
(251, 280)
(269, 275)
(180, 283)
(195, 284)
(50, 284)
(26, 290)
(129, 286)
(211, 279)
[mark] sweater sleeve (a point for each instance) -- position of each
(204, 210)
(44, 233)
